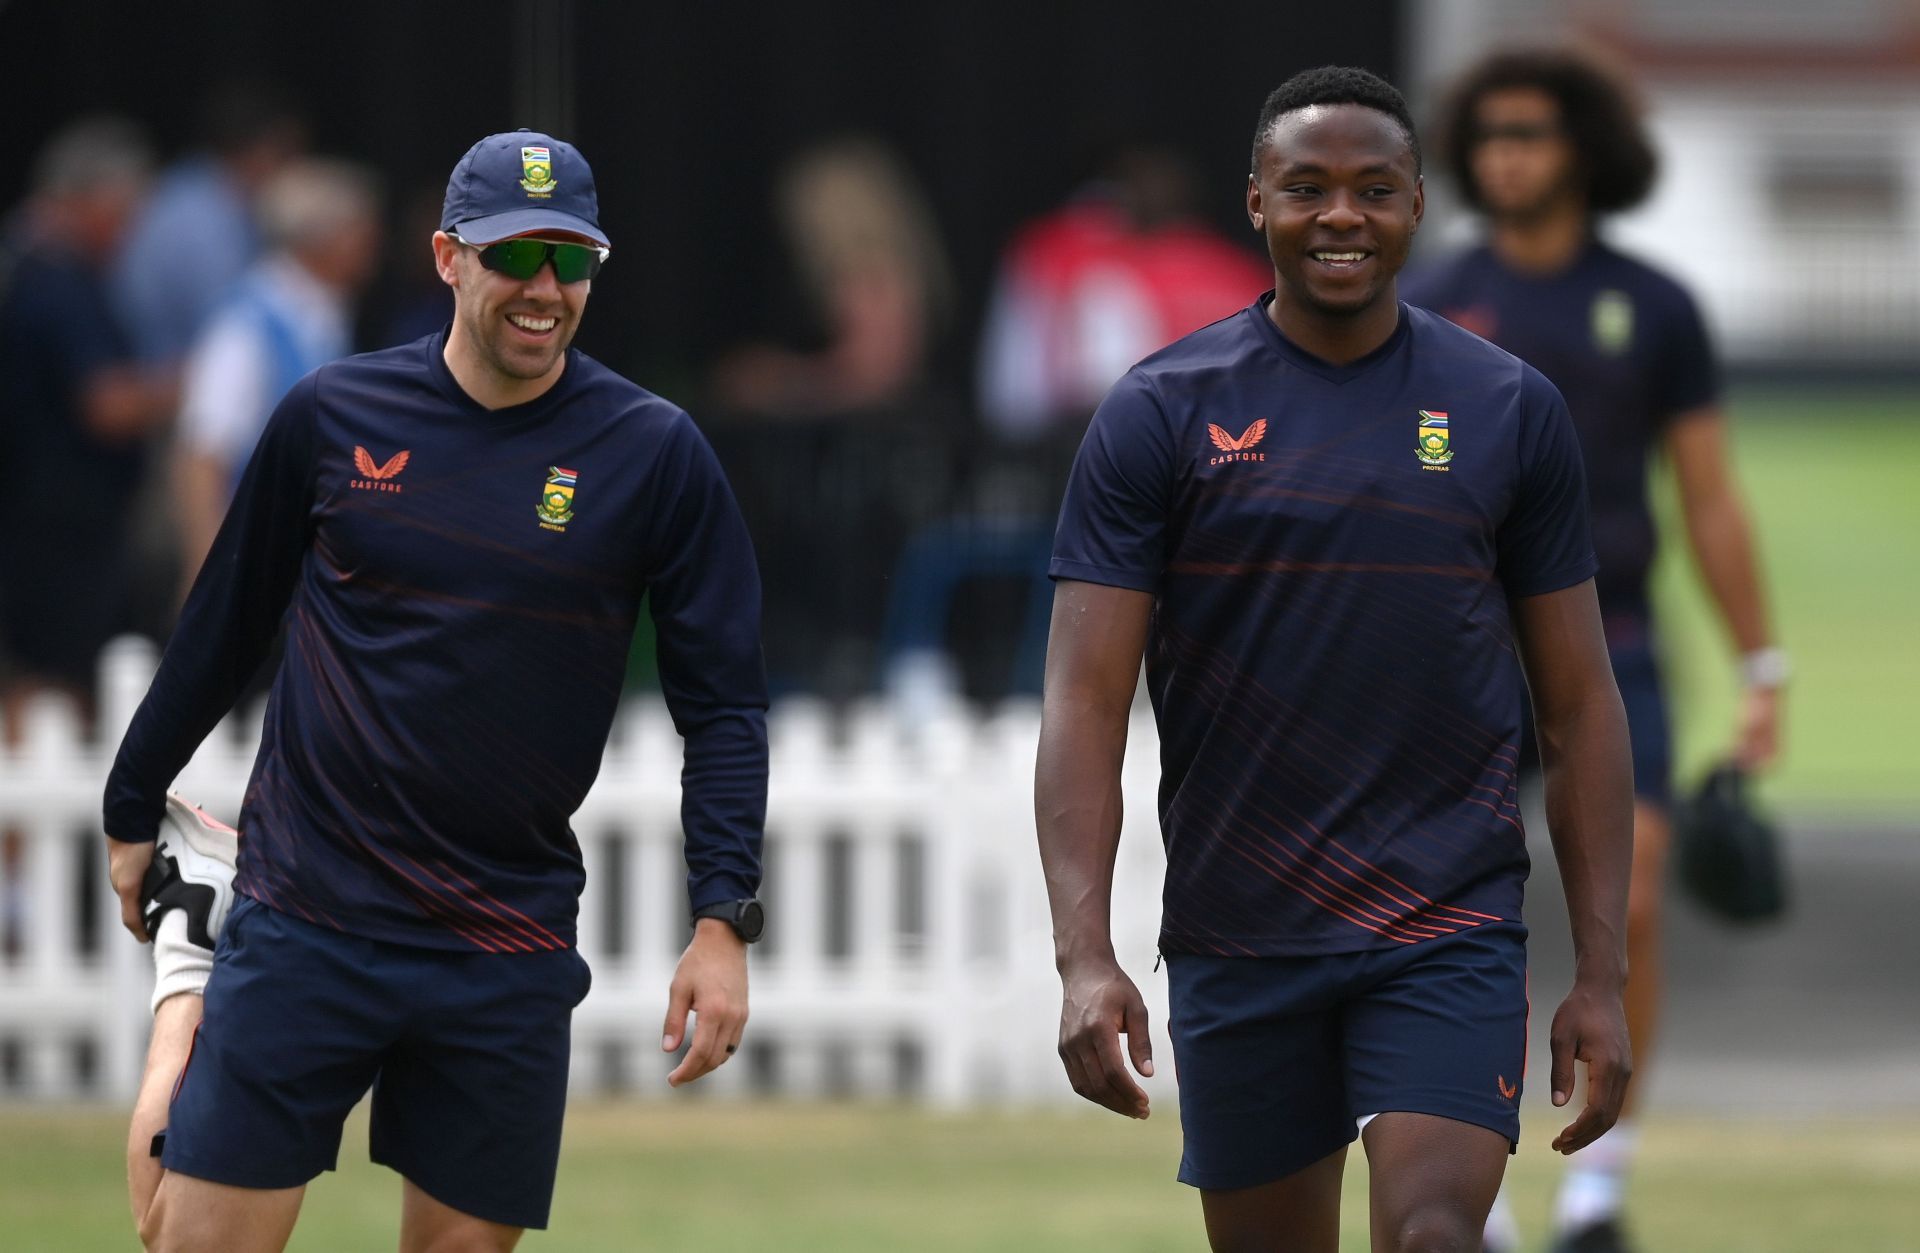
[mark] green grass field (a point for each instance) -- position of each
(814, 1179)
(1833, 480)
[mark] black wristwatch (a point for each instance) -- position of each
(747, 918)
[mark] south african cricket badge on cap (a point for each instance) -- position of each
(555, 509)
(536, 173)
(1435, 446)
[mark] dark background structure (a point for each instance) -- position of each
(688, 111)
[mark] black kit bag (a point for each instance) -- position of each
(1728, 853)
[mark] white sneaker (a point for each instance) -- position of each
(186, 895)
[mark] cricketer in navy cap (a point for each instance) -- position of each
(519, 183)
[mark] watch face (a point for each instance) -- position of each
(752, 920)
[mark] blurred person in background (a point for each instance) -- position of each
(198, 234)
(410, 300)
(877, 274)
(1544, 143)
(289, 314)
(874, 297)
(79, 416)
(1123, 268)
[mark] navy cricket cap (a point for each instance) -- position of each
(519, 182)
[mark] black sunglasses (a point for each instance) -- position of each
(522, 258)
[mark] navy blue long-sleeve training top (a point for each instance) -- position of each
(460, 588)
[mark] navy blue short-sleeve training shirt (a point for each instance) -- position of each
(459, 588)
(1331, 550)
(1628, 350)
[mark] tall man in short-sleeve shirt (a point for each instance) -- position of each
(1542, 142)
(1329, 522)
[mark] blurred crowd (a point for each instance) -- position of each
(899, 455)
(151, 315)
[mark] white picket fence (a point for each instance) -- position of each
(908, 951)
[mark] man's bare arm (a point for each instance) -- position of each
(1721, 536)
(1093, 664)
(1589, 776)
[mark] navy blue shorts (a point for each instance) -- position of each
(1637, 672)
(1279, 1058)
(466, 1054)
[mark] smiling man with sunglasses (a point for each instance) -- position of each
(457, 535)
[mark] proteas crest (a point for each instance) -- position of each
(536, 168)
(555, 509)
(1434, 447)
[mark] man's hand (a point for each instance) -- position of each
(127, 870)
(711, 981)
(1591, 1026)
(1099, 1004)
(1758, 735)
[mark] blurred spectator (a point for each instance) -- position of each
(412, 301)
(1120, 271)
(287, 316)
(876, 272)
(75, 433)
(197, 234)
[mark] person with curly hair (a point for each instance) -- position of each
(1544, 143)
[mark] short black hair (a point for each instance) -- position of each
(1598, 109)
(1335, 84)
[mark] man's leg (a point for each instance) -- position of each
(1646, 967)
(191, 1215)
(1433, 1181)
(470, 1099)
(1437, 1056)
(292, 1035)
(186, 898)
(427, 1226)
(1297, 1214)
(1263, 1103)
(173, 1026)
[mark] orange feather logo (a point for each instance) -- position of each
(1248, 438)
(363, 462)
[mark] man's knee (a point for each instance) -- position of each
(474, 1238)
(190, 1215)
(161, 1225)
(428, 1225)
(1438, 1229)
(1643, 909)
(152, 1221)
(1648, 884)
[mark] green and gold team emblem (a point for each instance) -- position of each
(1434, 448)
(556, 499)
(1612, 322)
(536, 172)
